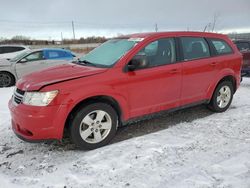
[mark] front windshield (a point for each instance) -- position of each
(19, 56)
(109, 52)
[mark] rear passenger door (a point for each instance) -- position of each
(199, 69)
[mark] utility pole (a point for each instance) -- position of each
(156, 27)
(61, 37)
(73, 29)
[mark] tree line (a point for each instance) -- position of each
(28, 41)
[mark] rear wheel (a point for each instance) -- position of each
(93, 126)
(222, 97)
(6, 79)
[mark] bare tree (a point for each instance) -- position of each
(215, 20)
(212, 25)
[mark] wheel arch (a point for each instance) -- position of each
(94, 99)
(230, 78)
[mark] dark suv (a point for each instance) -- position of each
(244, 48)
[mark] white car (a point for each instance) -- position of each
(31, 61)
(11, 51)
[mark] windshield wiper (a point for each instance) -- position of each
(85, 62)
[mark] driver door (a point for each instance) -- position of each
(32, 62)
(156, 87)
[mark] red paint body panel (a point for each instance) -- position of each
(138, 93)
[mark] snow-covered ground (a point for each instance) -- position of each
(190, 148)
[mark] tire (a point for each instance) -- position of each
(93, 126)
(6, 79)
(222, 97)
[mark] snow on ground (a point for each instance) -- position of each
(190, 148)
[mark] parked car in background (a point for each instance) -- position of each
(30, 61)
(122, 80)
(10, 51)
(244, 48)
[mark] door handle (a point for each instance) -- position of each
(213, 64)
(174, 71)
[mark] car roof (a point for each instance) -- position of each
(50, 49)
(56, 49)
(173, 33)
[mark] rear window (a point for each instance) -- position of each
(243, 46)
(194, 48)
(221, 47)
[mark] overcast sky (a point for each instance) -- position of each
(46, 19)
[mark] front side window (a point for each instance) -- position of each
(194, 48)
(243, 46)
(19, 56)
(160, 52)
(221, 47)
(109, 52)
(36, 56)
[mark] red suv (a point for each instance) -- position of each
(122, 80)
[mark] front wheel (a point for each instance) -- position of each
(222, 97)
(93, 126)
(6, 79)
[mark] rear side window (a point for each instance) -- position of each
(58, 54)
(194, 48)
(53, 54)
(243, 46)
(221, 47)
(11, 49)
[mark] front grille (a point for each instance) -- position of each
(18, 96)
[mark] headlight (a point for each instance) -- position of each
(39, 98)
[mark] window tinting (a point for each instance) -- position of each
(1, 50)
(221, 47)
(194, 48)
(243, 46)
(10, 49)
(160, 52)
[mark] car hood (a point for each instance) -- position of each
(66, 72)
(5, 63)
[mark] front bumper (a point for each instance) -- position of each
(38, 123)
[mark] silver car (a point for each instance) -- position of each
(30, 61)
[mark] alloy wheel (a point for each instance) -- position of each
(95, 126)
(224, 96)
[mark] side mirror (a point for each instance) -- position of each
(138, 62)
(23, 60)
